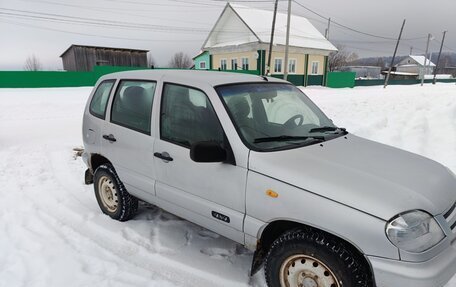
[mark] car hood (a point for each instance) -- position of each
(375, 178)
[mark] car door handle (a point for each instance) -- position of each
(110, 138)
(164, 156)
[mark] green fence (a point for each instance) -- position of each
(341, 79)
(365, 83)
(52, 79)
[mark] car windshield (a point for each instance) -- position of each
(272, 116)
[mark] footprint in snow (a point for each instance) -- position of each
(217, 253)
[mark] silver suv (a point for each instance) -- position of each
(253, 159)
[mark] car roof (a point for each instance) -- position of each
(212, 78)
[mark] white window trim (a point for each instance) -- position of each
(296, 65)
(226, 64)
(281, 66)
(233, 68)
(311, 67)
(242, 62)
(205, 65)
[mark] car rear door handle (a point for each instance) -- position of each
(110, 138)
(164, 156)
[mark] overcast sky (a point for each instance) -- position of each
(167, 26)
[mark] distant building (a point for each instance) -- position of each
(202, 61)
(240, 40)
(83, 58)
(415, 65)
(364, 72)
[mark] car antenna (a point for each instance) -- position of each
(265, 78)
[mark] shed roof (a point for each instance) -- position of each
(258, 22)
(104, 48)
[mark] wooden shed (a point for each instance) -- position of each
(83, 58)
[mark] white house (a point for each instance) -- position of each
(240, 40)
(416, 65)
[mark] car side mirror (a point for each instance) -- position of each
(208, 151)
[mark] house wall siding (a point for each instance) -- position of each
(253, 61)
(252, 56)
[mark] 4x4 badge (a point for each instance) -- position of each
(221, 217)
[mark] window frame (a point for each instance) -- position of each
(107, 102)
(295, 65)
(205, 66)
(312, 67)
(226, 64)
(234, 67)
(281, 66)
(247, 63)
(225, 138)
(118, 86)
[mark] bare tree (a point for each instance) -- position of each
(150, 61)
(32, 63)
(181, 61)
(341, 58)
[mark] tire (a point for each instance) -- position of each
(306, 257)
(112, 196)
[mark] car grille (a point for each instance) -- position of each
(450, 217)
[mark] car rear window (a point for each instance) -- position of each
(100, 99)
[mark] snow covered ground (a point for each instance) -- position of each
(52, 232)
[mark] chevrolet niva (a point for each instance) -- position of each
(253, 159)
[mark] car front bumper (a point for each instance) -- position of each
(432, 273)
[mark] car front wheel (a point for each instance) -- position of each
(309, 258)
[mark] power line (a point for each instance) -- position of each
(349, 28)
(93, 35)
(115, 11)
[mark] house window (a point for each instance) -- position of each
(292, 66)
(245, 63)
(203, 65)
(234, 64)
(278, 65)
(315, 68)
(223, 64)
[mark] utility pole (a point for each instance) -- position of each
(272, 36)
(327, 29)
(327, 59)
(394, 55)
(287, 42)
(425, 59)
(411, 50)
(438, 58)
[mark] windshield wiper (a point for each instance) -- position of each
(327, 129)
(287, 138)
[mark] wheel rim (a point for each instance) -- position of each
(108, 193)
(306, 271)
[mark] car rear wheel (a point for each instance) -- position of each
(308, 258)
(112, 196)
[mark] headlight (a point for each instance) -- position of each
(414, 231)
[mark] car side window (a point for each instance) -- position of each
(100, 99)
(132, 105)
(187, 117)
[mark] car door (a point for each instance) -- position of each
(127, 136)
(210, 194)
